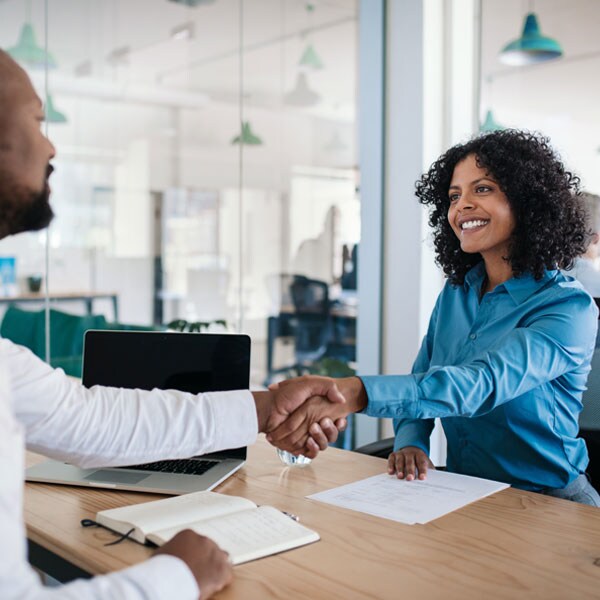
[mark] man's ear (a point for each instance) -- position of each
(595, 238)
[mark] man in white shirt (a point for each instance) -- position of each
(54, 415)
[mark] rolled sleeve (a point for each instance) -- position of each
(391, 396)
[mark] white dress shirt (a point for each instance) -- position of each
(56, 416)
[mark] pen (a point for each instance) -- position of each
(291, 516)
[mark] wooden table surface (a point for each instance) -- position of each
(510, 545)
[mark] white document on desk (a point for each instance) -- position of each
(410, 502)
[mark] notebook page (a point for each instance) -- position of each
(249, 534)
(175, 511)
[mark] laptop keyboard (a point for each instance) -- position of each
(185, 466)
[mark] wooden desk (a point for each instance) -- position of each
(511, 545)
(86, 297)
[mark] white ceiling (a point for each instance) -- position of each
(273, 34)
(558, 98)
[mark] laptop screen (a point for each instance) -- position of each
(191, 362)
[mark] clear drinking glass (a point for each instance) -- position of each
(289, 459)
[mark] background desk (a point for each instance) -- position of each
(511, 545)
(86, 297)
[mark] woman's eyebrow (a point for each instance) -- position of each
(455, 186)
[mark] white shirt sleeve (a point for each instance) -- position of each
(160, 578)
(101, 426)
(105, 426)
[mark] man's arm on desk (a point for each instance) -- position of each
(186, 565)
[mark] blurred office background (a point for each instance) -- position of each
(249, 165)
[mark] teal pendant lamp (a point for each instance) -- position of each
(247, 137)
(532, 47)
(310, 58)
(28, 52)
(301, 95)
(53, 115)
(489, 124)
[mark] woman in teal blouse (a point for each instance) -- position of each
(508, 350)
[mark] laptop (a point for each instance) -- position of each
(192, 362)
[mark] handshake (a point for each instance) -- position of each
(301, 416)
(305, 414)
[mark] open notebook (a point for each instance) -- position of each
(240, 527)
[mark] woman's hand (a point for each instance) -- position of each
(409, 462)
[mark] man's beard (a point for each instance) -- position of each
(36, 215)
(24, 210)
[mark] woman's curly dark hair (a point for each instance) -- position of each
(550, 220)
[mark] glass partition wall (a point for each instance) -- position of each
(206, 172)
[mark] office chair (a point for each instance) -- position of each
(305, 316)
(312, 323)
(380, 448)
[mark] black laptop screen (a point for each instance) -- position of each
(191, 362)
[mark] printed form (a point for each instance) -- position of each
(410, 502)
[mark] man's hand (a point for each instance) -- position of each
(288, 395)
(409, 462)
(293, 434)
(208, 563)
(275, 406)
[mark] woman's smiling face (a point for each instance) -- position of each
(479, 214)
